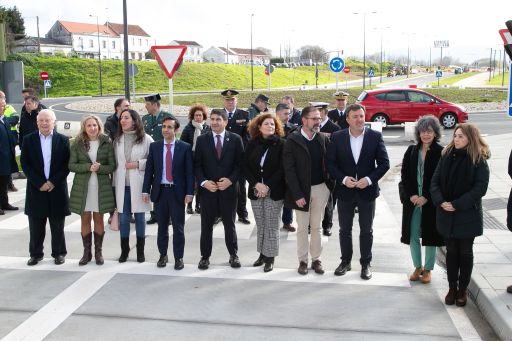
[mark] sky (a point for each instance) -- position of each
(470, 27)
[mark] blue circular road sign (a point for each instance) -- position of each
(337, 64)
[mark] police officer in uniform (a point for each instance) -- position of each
(237, 123)
(152, 122)
(260, 105)
(338, 115)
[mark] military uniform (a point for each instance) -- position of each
(153, 124)
(336, 115)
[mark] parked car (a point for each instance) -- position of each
(395, 106)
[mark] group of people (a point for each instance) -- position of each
(308, 161)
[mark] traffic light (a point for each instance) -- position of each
(508, 44)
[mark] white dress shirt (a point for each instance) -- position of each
(356, 144)
(46, 148)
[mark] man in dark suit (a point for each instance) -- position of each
(169, 178)
(338, 115)
(357, 159)
(294, 112)
(327, 128)
(238, 121)
(217, 162)
(44, 159)
(7, 155)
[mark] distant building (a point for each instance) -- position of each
(234, 55)
(194, 52)
(83, 38)
(48, 46)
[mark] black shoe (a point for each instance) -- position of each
(9, 207)
(59, 260)
(366, 272)
(244, 220)
(509, 289)
(152, 219)
(327, 231)
(162, 262)
(234, 261)
(259, 261)
(178, 264)
(11, 187)
(342, 269)
(198, 210)
(34, 260)
(204, 263)
(309, 229)
(217, 220)
(2, 212)
(269, 264)
(190, 210)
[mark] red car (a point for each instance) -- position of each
(393, 106)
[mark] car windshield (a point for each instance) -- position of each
(362, 96)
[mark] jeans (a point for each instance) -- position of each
(124, 218)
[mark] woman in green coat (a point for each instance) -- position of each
(93, 162)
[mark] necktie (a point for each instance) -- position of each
(168, 163)
(230, 115)
(218, 147)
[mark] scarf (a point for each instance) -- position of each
(198, 130)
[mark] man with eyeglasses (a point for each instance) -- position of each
(308, 186)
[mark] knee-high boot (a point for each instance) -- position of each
(87, 241)
(140, 249)
(98, 244)
(125, 249)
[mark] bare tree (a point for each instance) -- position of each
(314, 52)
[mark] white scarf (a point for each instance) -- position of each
(199, 128)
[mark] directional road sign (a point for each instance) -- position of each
(439, 73)
(337, 64)
(371, 73)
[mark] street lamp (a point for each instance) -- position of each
(99, 51)
(364, 44)
(252, 61)
(381, 34)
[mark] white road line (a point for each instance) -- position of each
(48, 318)
(391, 136)
(460, 320)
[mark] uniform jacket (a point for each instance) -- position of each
(46, 204)
(341, 121)
(458, 181)
(80, 164)
(295, 117)
(182, 170)
(153, 124)
(253, 111)
(297, 169)
(238, 124)
(373, 163)
(139, 153)
(429, 234)
(329, 127)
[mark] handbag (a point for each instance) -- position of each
(114, 223)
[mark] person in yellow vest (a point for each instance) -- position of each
(11, 118)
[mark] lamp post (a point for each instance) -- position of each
(381, 51)
(252, 61)
(364, 44)
(99, 52)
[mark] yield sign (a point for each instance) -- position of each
(169, 57)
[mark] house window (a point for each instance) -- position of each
(147, 42)
(133, 41)
(104, 44)
(140, 42)
(91, 43)
(113, 44)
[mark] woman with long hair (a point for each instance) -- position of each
(197, 115)
(131, 148)
(263, 169)
(458, 185)
(92, 160)
(419, 214)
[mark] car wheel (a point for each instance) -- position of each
(381, 118)
(448, 120)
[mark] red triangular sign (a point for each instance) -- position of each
(169, 57)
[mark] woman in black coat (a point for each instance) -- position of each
(418, 215)
(263, 169)
(458, 185)
(197, 116)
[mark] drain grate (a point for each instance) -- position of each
(494, 204)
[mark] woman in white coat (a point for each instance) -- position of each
(131, 148)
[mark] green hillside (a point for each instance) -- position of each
(77, 76)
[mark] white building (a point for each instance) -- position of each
(234, 55)
(194, 51)
(83, 38)
(47, 46)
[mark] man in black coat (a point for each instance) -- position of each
(7, 155)
(308, 186)
(217, 161)
(356, 159)
(44, 159)
(112, 122)
(237, 123)
(327, 128)
(28, 117)
(294, 112)
(338, 115)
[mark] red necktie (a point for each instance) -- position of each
(218, 147)
(168, 163)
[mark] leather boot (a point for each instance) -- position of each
(269, 264)
(87, 241)
(259, 261)
(98, 244)
(140, 250)
(125, 249)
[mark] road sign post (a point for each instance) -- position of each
(268, 70)
(169, 58)
(336, 65)
(371, 74)
(44, 77)
(133, 70)
(439, 74)
(346, 70)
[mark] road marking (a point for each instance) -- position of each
(460, 320)
(391, 136)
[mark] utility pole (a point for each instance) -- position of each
(126, 72)
(38, 36)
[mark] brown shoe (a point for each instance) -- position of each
(415, 276)
(317, 266)
(289, 227)
(450, 297)
(426, 277)
(461, 298)
(303, 268)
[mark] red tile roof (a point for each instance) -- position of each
(133, 30)
(76, 27)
